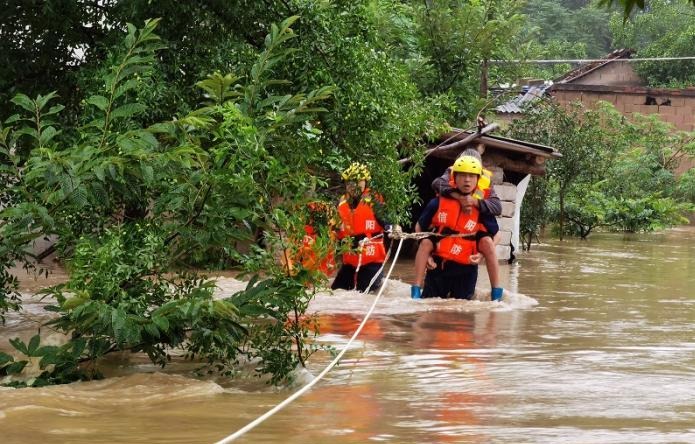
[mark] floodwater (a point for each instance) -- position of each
(601, 349)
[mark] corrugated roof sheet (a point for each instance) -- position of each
(518, 104)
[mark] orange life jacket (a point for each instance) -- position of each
(307, 254)
(361, 222)
(449, 215)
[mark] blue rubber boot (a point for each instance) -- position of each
(415, 292)
(496, 294)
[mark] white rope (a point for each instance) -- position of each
(426, 234)
(637, 59)
(362, 243)
(304, 389)
(378, 273)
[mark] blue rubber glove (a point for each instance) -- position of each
(496, 294)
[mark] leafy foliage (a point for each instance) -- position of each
(571, 26)
(665, 29)
(535, 211)
(131, 205)
(629, 6)
(629, 187)
(580, 136)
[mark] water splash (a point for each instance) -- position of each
(395, 300)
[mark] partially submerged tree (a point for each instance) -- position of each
(614, 174)
(132, 205)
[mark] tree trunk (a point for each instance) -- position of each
(483, 78)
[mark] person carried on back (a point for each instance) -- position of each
(463, 218)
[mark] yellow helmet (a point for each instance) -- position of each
(356, 171)
(485, 179)
(467, 164)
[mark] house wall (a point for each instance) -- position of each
(614, 73)
(507, 193)
(676, 107)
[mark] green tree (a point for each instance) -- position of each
(131, 205)
(614, 174)
(665, 29)
(456, 40)
(585, 26)
(579, 135)
(535, 211)
(630, 6)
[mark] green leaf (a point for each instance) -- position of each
(118, 321)
(13, 118)
(19, 345)
(25, 102)
(127, 110)
(125, 87)
(16, 367)
(152, 330)
(47, 135)
(147, 173)
(100, 102)
(41, 101)
(28, 131)
(55, 109)
(5, 358)
(33, 345)
(161, 322)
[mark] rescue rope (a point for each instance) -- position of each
(362, 243)
(332, 364)
(426, 234)
(398, 234)
(383, 264)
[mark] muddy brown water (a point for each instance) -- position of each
(601, 349)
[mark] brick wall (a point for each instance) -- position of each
(672, 106)
(675, 109)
